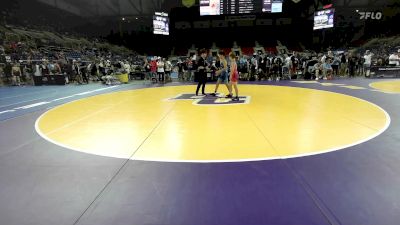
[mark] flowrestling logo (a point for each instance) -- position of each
(370, 15)
(218, 100)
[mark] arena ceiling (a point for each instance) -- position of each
(93, 8)
(90, 8)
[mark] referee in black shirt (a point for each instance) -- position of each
(202, 75)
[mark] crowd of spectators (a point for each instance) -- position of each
(21, 63)
(310, 65)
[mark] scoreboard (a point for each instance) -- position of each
(161, 23)
(239, 7)
(324, 19)
(232, 7)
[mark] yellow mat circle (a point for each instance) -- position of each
(392, 86)
(276, 122)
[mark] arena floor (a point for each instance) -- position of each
(289, 152)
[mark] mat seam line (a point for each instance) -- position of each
(361, 124)
(259, 130)
(84, 118)
(324, 209)
(309, 191)
(123, 166)
(151, 132)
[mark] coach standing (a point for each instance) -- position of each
(202, 74)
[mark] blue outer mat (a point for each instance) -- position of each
(41, 183)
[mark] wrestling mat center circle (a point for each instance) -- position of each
(171, 124)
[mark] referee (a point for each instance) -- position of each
(202, 75)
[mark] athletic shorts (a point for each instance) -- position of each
(235, 77)
(224, 77)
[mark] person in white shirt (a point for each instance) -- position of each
(160, 69)
(367, 62)
(288, 61)
(323, 59)
(323, 62)
(127, 67)
(330, 54)
(286, 67)
(38, 70)
(394, 59)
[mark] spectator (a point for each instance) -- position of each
(168, 68)
(328, 69)
(335, 65)
(147, 66)
(45, 68)
(360, 65)
(28, 72)
(56, 70)
(160, 69)
(261, 67)
(102, 68)
(76, 71)
(367, 62)
(181, 70)
(287, 66)
(2, 75)
(278, 63)
(253, 67)
(343, 64)
(352, 60)
(294, 64)
(127, 66)
(38, 70)
(394, 59)
(243, 67)
(16, 74)
(153, 67)
(317, 69)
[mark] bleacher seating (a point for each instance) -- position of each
(247, 50)
(73, 55)
(225, 50)
(271, 49)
